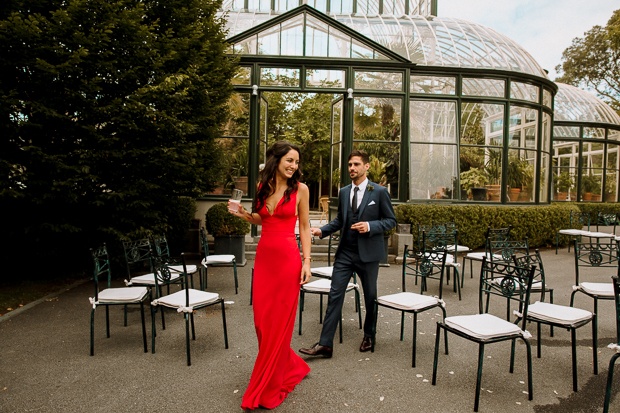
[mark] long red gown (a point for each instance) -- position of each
(277, 271)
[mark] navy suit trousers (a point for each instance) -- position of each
(347, 262)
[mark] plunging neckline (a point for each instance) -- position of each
(274, 210)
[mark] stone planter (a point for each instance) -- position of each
(231, 244)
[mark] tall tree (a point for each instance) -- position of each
(109, 112)
(593, 61)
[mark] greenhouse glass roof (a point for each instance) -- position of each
(576, 105)
(429, 41)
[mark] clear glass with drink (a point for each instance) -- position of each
(235, 200)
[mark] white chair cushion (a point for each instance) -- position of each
(483, 326)
(218, 259)
(459, 248)
(323, 286)
(179, 268)
(149, 279)
(122, 295)
(605, 289)
(322, 271)
(408, 301)
(557, 313)
(573, 232)
(481, 255)
(196, 298)
(599, 235)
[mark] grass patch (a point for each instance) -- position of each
(15, 293)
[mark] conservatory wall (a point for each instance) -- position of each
(466, 120)
(586, 136)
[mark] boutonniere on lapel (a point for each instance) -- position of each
(370, 188)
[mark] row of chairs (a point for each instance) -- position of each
(509, 270)
(578, 220)
(153, 256)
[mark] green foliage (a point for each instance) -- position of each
(538, 223)
(593, 208)
(376, 171)
(563, 182)
(474, 178)
(221, 223)
(594, 61)
(109, 115)
(591, 183)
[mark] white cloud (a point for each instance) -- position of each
(544, 29)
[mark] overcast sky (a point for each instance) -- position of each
(543, 28)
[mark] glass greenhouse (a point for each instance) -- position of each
(448, 110)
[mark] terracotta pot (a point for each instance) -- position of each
(513, 194)
(587, 196)
(610, 197)
(596, 197)
(493, 192)
(560, 196)
(242, 183)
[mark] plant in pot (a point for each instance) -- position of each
(228, 231)
(493, 168)
(589, 184)
(239, 169)
(473, 182)
(515, 175)
(610, 188)
(562, 182)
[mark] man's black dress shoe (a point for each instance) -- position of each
(317, 350)
(366, 344)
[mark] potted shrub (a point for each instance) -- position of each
(610, 188)
(239, 169)
(473, 182)
(589, 184)
(563, 183)
(493, 168)
(228, 231)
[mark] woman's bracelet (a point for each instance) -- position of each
(308, 258)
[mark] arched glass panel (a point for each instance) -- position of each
(483, 87)
(441, 85)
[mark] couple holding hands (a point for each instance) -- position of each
(364, 213)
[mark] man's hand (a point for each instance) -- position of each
(360, 227)
(315, 232)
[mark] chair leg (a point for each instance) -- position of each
(235, 271)
(107, 320)
(456, 281)
(610, 378)
(572, 297)
(92, 332)
(436, 356)
(146, 350)
(189, 359)
(512, 355)
(530, 385)
(301, 306)
(538, 345)
(479, 375)
(402, 325)
(595, 343)
(445, 332)
(191, 317)
(153, 329)
(320, 308)
(358, 304)
(415, 337)
(224, 325)
(125, 324)
(574, 357)
(551, 301)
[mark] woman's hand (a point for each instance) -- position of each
(305, 273)
(240, 212)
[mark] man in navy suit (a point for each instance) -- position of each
(364, 213)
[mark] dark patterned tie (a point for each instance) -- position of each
(354, 203)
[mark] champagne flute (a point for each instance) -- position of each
(235, 200)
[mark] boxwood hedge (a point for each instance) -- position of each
(538, 223)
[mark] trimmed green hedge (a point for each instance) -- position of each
(221, 223)
(539, 223)
(595, 208)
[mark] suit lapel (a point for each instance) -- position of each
(364, 200)
(346, 194)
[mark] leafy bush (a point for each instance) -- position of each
(221, 223)
(179, 220)
(539, 223)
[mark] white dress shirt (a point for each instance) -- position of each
(360, 196)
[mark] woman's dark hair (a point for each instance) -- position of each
(274, 154)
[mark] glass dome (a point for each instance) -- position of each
(576, 105)
(429, 41)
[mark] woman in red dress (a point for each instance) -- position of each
(278, 273)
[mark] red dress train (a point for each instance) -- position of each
(277, 271)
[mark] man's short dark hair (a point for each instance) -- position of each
(361, 154)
